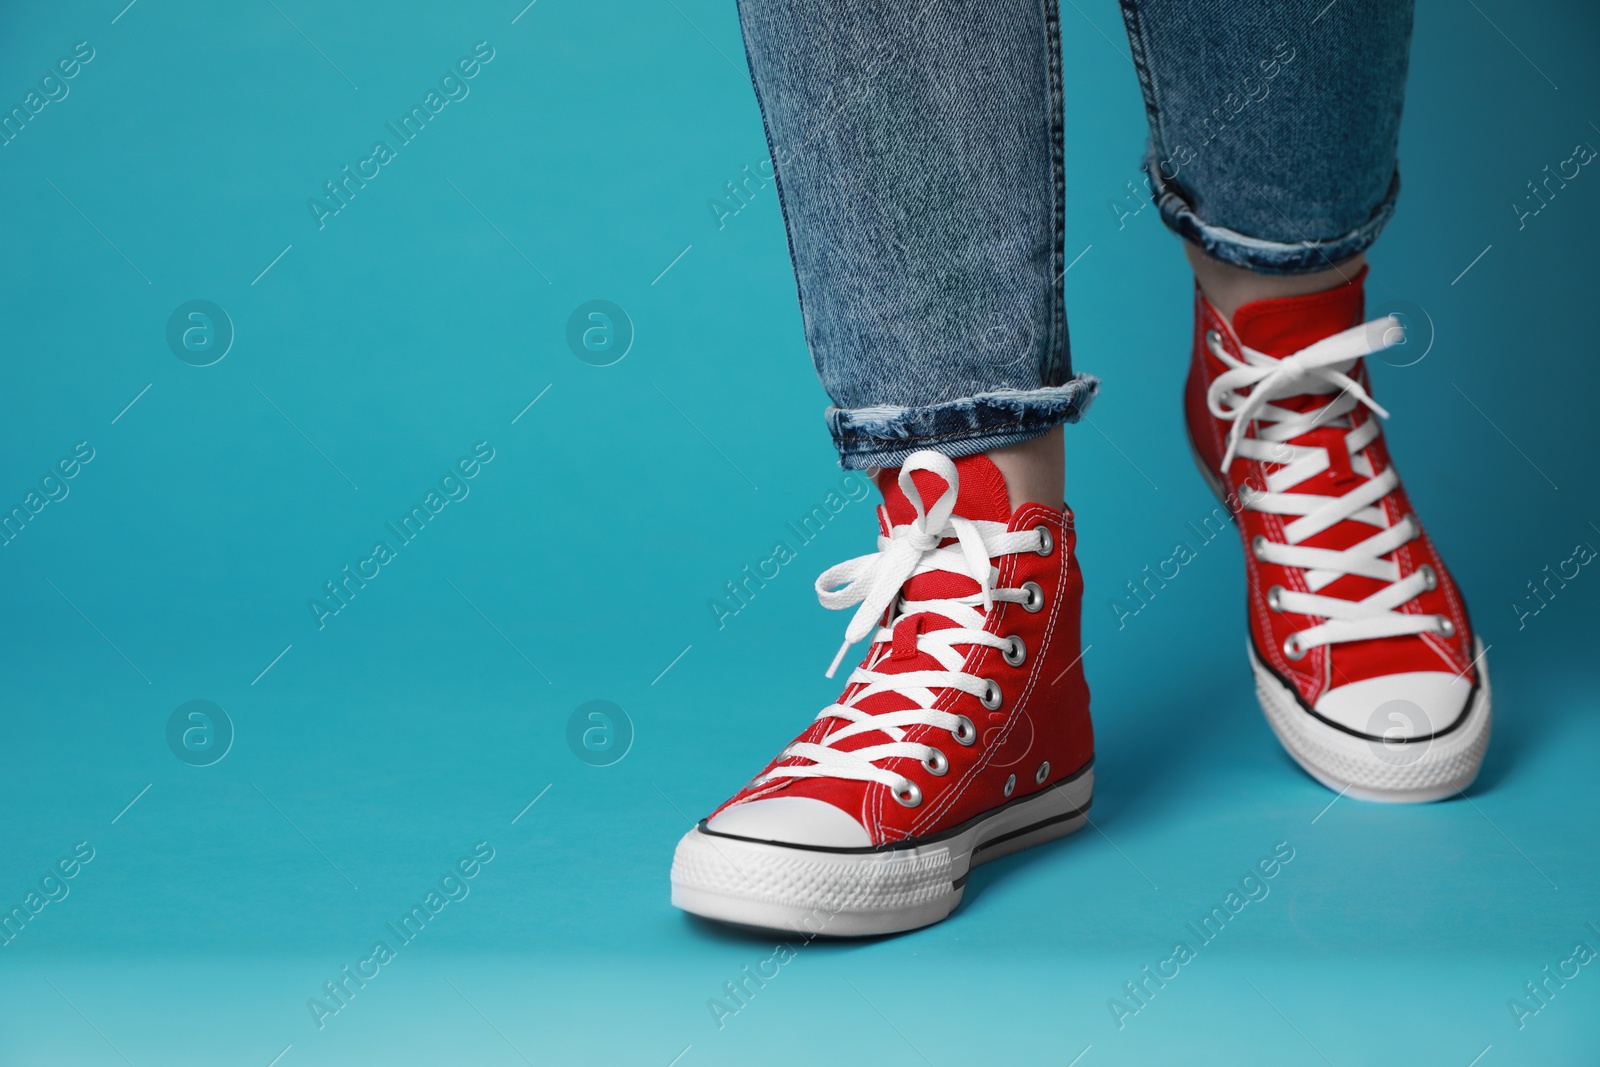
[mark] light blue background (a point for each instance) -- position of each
(377, 751)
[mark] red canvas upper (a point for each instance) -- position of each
(1280, 328)
(1044, 715)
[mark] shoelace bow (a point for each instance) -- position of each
(1245, 394)
(875, 582)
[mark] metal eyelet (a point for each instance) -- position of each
(1213, 341)
(1258, 545)
(1015, 652)
(1275, 598)
(1042, 773)
(1033, 597)
(991, 694)
(1047, 543)
(908, 795)
(1445, 627)
(936, 764)
(1011, 784)
(1293, 648)
(1430, 578)
(965, 733)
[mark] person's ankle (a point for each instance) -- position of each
(1035, 470)
(1230, 288)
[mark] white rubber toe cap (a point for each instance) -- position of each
(793, 821)
(1398, 706)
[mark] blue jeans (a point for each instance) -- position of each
(918, 152)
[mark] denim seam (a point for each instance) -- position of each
(1141, 67)
(1057, 356)
(772, 154)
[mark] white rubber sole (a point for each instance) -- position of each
(1413, 773)
(858, 893)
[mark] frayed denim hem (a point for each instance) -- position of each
(886, 436)
(1267, 257)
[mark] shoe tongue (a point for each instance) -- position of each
(982, 494)
(1285, 325)
(1280, 328)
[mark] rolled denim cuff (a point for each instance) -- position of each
(886, 436)
(1305, 256)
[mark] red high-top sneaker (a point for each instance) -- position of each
(963, 736)
(1365, 664)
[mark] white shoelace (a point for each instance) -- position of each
(1321, 369)
(875, 582)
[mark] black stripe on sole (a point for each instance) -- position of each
(993, 841)
(910, 842)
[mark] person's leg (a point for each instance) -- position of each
(917, 146)
(1273, 127)
(1035, 469)
(1273, 154)
(1230, 288)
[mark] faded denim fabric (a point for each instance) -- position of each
(917, 147)
(1273, 127)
